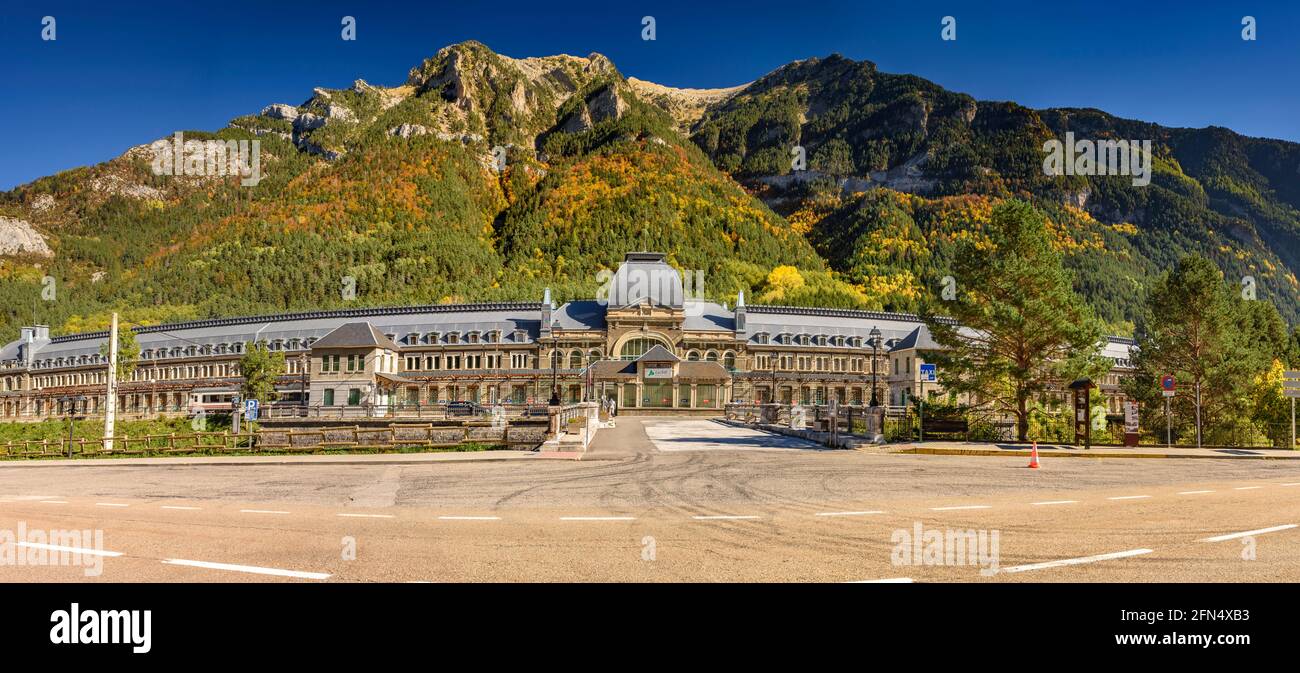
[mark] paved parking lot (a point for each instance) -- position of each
(740, 506)
(707, 435)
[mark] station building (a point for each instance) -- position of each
(644, 344)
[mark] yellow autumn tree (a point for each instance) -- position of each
(783, 281)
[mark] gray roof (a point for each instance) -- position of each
(646, 275)
(356, 335)
(705, 316)
(795, 320)
(580, 315)
(658, 354)
(314, 325)
(919, 339)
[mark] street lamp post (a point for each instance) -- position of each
(875, 351)
(555, 373)
(773, 393)
(302, 383)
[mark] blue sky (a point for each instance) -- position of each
(123, 75)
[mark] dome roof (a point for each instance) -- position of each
(645, 275)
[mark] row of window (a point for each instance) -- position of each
(811, 363)
(834, 341)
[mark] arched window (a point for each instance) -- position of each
(635, 348)
(693, 356)
(729, 360)
(575, 360)
(711, 356)
(594, 356)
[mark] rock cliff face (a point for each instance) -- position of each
(17, 237)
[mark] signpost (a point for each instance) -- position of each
(250, 410)
(235, 406)
(1291, 388)
(1082, 412)
(1131, 423)
(929, 374)
(1167, 386)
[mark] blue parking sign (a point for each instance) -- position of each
(250, 409)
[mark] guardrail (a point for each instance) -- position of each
(412, 411)
(867, 423)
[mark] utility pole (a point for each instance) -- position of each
(110, 407)
(1198, 413)
(1169, 426)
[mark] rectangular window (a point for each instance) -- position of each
(329, 397)
(354, 397)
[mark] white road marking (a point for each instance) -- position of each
(953, 509)
(725, 517)
(597, 518)
(367, 516)
(1261, 531)
(179, 507)
(892, 580)
(1295, 484)
(864, 513)
(111, 504)
(75, 550)
(1076, 561)
(1129, 497)
(1056, 502)
(258, 570)
(470, 518)
(54, 502)
(262, 511)
(1246, 488)
(1193, 492)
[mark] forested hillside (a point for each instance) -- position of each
(481, 177)
(897, 166)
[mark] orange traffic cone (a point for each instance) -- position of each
(1033, 457)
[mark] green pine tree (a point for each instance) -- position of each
(1023, 330)
(1211, 341)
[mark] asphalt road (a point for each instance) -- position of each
(672, 500)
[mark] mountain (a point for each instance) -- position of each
(482, 177)
(898, 166)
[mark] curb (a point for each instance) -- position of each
(1042, 454)
(243, 461)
